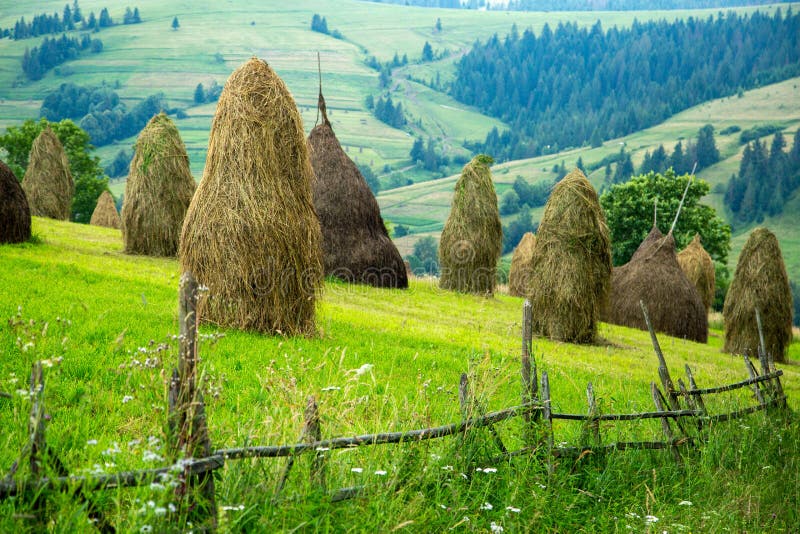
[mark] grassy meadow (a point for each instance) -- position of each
(105, 325)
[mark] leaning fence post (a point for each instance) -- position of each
(768, 365)
(189, 419)
(698, 398)
(548, 419)
(592, 423)
(663, 372)
(312, 429)
(529, 379)
(664, 421)
(753, 374)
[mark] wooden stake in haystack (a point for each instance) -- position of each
(759, 283)
(356, 245)
(521, 260)
(472, 238)
(159, 189)
(15, 215)
(571, 267)
(698, 267)
(105, 213)
(251, 235)
(48, 181)
(654, 277)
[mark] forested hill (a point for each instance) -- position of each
(577, 5)
(570, 86)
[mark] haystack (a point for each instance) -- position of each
(105, 213)
(15, 215)
(48, 181)
(698, 267)
(654, 276)
(472, 238)
(570, 269)
(355, 243)
(521, 261)
(760, 282)
(251, 234)
(159, 189)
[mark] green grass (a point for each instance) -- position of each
(106, 322)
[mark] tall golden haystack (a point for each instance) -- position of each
(472, 238)
(251, 234)
(698, 267)
(48, 181)
(521, 261)
(356, 245)
(105, 213)
(570, 270)
(760, 282)
(15, 215)
(159, 189)
(654, 277)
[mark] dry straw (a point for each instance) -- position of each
(698, 267)
(760, 282)
(521, 261)
(105, 213)
(571, 265)
(654, 277)
(472, 238)
(15, 215)
(251, 234)
(356, 245)
(159, 189)
(48, 181)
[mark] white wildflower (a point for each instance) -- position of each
(486, 506)
(650, 519)
(496, 529)
(513, 509)
(150, 456)
(685, 503)
(356, 470)
(160, 511)
(331, 388)
(92, 442)
(126, 399)
(447, 468)
(380, 472)
(145, 529)
(366, 368)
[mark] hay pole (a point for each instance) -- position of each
(593, 423)
(746, 411)
(735, 385)
(767, 363)
(571, 452)
(680, 206)
(321, 107)
(663, 372)
(548, 419)
(675, 414)
(665, 422)
(753, 374)
(189, 416)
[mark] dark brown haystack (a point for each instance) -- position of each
(570, 270)
(698, 267)
(159, 189)
(251, 234)
(48, 181)
(654, 276)
(760, 282)
(520, 269)
(105, 213)
(15, 215)
(472, 238)
(355, 243)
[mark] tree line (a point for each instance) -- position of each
(766, 179)
(38, 60)
(572, 86)
(576, 5)
(100, 112)
(70, 19)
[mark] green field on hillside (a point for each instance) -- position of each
(105, 322)
(424, 207)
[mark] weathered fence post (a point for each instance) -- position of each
(312, 428)
(753, 374)
(665, 422)
(592, 423)
(663, 372)
(547, 413)
(768, 364)
(698, 398)
(188, 419)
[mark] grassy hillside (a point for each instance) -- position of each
(105, 322)
(215, 38)
(424, 207)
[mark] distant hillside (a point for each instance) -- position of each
(575, 5)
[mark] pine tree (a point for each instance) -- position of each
(706, 147)
(427, 52)
(105, 19)
(199, 94)
(136, 18)
(175, 23)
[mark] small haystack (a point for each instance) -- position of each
(520, 269)
(698, 267)
(356, 245)
(654, 276)
(251, 235)
(760, 282)
(15, 215)
(472, 238)
(105, 213)
(570, 270)
(159, 189)
(48, 181)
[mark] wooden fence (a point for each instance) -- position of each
(194, 459)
